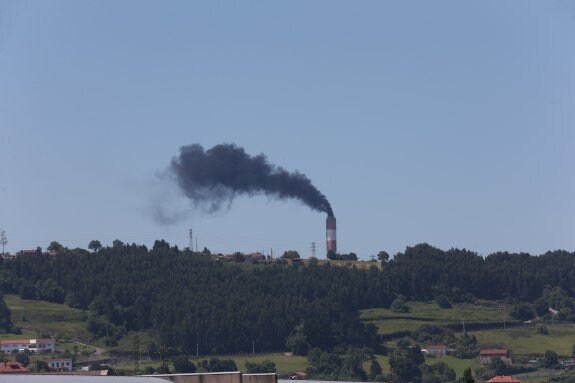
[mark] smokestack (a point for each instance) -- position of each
(330, 234)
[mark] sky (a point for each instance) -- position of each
(445, 122)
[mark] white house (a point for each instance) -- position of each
(60, 364)
(32, 345)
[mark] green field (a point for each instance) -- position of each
(522, 340)
(420, 313)
(38, 318)
(525, 340)
(284, 364)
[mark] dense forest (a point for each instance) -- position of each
(191, 300)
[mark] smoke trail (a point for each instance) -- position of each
(213, 178)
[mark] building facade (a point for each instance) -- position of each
(32, 345)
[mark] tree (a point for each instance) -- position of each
(466, 346)
(352, 365)
(404, 368)
(42, 366)
(183, 364)
(383, 257)
(49, 290)
(5, 316)
(467, 377)
(374, 370)
(94, 245)
(297, 342)
(438, 373)
(55, 246)
(290, 254)
(266, 366)
(522, 311)
(498, 366)
(23, 358)
(117, 244)
(442, 301)
(27, 290)
(550, 359)
(399, 305)
(218, 365)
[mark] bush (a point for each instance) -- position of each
(399, 305)
(442, 302)
(183, 364)
(522, 311)
(260, 368)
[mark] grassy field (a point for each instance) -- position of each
(284, 364)
(521, 340)
(525, 340)
(38, 318)
(422, 312)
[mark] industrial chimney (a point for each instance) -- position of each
(331, 242)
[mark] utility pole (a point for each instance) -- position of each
(136, 354)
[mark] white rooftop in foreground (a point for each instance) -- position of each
(25, 378)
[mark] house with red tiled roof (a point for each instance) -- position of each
(10, 367)
(503, 379)
(486, 354)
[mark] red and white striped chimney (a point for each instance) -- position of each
(331, 241)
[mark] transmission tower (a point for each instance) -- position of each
(313, 249)
(191, 232)
(3, 240)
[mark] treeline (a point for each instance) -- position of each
(424, 272)
(192, 300)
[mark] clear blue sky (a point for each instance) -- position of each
(445, 122)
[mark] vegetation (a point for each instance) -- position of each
(339, 322)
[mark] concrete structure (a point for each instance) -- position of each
(219, 377)
(486, 354)
(32, 345)
(330, 234)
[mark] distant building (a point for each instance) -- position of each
(32, 345)
(503, 379)
(10, 367)
(486, 354)
(60, 365)
(435, 349)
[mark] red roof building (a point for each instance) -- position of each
(486, 354)
(503, 379)
(10, 367)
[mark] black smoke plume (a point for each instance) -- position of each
(213, 178)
